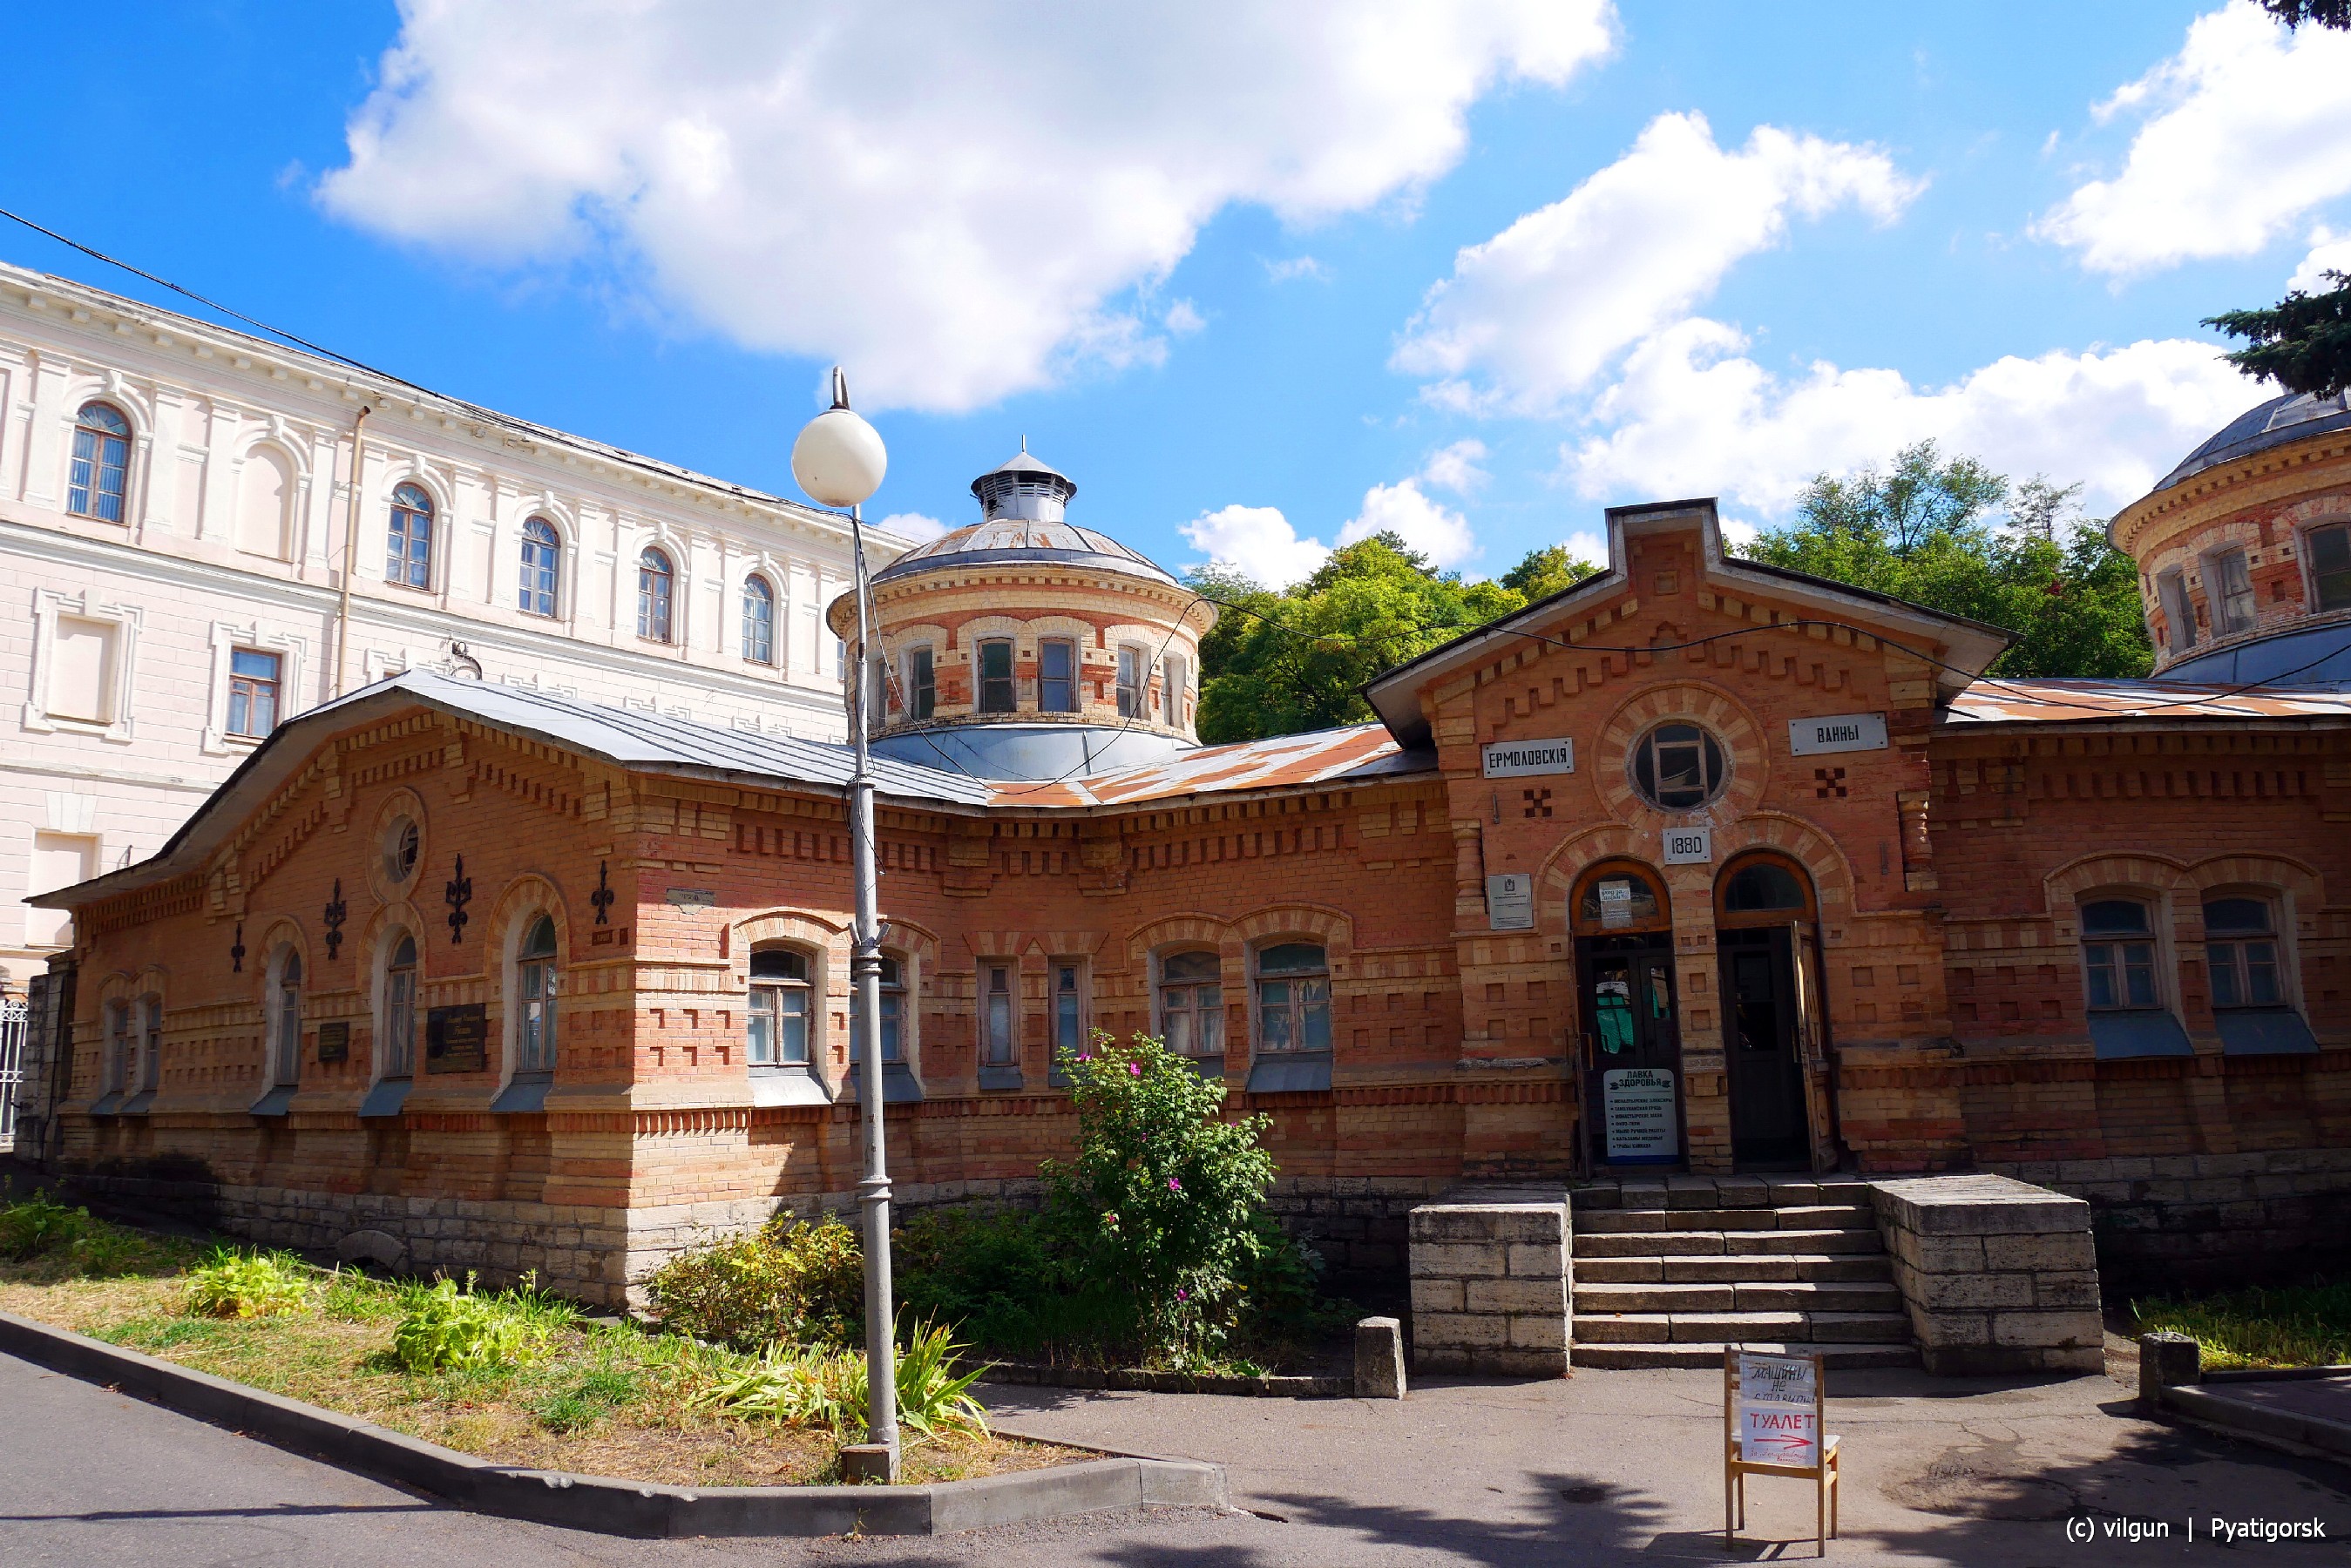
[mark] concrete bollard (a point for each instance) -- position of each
(2166, 1361)
(1379, 1359)
(867, 1463)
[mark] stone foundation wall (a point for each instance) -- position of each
(2200, 1220)
(1998, 1276)
(1490, 1284)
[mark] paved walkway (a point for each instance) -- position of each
(1606, 1468)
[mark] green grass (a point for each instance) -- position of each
(2293, 1326)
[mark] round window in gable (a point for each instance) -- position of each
(399, 845)
(1679, 767)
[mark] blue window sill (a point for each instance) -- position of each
(1209, 1067)
(792, 1085)
(898, 1085)
(2264, 1031)
(527, 1094)
(1000, 1077)
(107, 1104)
(2140, 1031)
(386, 1097)
(1289, 1073)
(276, 1103)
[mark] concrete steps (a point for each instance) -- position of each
(1668, 1272)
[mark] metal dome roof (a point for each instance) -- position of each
(1019, 539)
(2286, 419)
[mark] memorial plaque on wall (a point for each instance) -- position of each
(457, 1039)
(1510, 901)
(335, 1040)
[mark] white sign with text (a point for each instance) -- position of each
(1510, 901)
(1836, 732)
(1689, 845)
(1779, 1404)
(1525, 759)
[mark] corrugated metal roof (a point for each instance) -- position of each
(1358, 753)
(2079, 701)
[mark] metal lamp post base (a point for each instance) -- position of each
(863, 1462)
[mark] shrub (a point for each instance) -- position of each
(810, 1387)
(447, 1327)
(36, 1226)
(1164, 1197)
(230, 1283)
(996, 1276)
(790, 1284)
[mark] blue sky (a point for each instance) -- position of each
(1256, 277)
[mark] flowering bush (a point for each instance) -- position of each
(1164, 1200)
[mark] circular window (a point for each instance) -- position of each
(400, 841)
(1679, 767)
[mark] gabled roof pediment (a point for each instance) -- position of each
(1597, 614)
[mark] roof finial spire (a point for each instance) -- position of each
(1024, 443)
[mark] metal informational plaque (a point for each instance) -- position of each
(1836, 732)
(335, 1040)
(1510, 901)
(1638, 1105)
(457, 1039)
(1689, 845)
(692, 897)
(1525, 759)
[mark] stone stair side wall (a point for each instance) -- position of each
(1490, 1285)
(1998, 1275)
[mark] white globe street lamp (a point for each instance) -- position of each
(839, 460)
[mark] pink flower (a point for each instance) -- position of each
(1134, 1069)
(1182, 1294)
(1173, 1185)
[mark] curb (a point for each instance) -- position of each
(1132, 1380)
(2310, 1435)
(601, 1504)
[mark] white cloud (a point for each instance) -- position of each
(1455, 467)
(1541, 311)
(2329, 252)
(1693, 415)
(2248, 129)
(913, 526)
(1292, 269)
(1435, 530)
(1183, 318)
(953, 198)
(1258, 542)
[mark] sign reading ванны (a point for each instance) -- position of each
(1836, 732)
(1524, 759)
(1778, 1402)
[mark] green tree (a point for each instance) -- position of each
(1922, 531)
(1546, 572)
(2304, 341)
(1280, 663)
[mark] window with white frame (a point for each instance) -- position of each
(1133, 672)
(542, 563)
(396, 1045)
(2229, 584)
(285, 1021)
(99, 481)
(2329, 552)
(778, 1018)
(2178, 613)
(1192, 1003)
(996, 1018)
(535, 983)
(255, 677)
(922, 682)
(2119, 955)
(1293, 997)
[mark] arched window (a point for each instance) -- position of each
(102, 464)
(893, 1016)
(1192, 1003)
(542, 553)
(778, 1018)
(397, 1049)
(2329, 550)
(758, 620)
(2118, 954)
(1759, 886)
(535, 981)
(408, 547)
(1678, 767)
(1618, 900)
(996, 690)
(657, 584)
(2240, 943)
(286, 1060)
(1293, 998)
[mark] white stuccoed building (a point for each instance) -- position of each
(176, 516)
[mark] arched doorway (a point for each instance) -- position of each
(1763, 912)
(1623, 926)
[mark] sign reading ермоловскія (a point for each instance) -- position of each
(1524, 759)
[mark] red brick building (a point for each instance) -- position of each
(1699, 865)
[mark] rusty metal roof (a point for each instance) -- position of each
(2000, 701)
(1354, 754)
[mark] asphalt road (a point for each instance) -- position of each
(1605, 1467)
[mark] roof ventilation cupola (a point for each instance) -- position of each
(1024, 490)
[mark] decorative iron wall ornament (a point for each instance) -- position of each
(458, 894)
(236, 951)
(603, 896)
(336, 913)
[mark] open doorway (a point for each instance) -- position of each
(1763, 918)
(1632, 1031)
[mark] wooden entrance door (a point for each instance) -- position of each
(1763, 1047)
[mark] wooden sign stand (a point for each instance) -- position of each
(1737, 1467)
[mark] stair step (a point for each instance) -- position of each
(1791, 1217)
(1740, 1296)
(1746, 1266)
(1651, 1244)
(1626, 1271)
(1801, 1241)
(1605, 1357)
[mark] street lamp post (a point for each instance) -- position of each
(838, 459)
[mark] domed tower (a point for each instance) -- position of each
(1025, 647)
(2244, 550)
